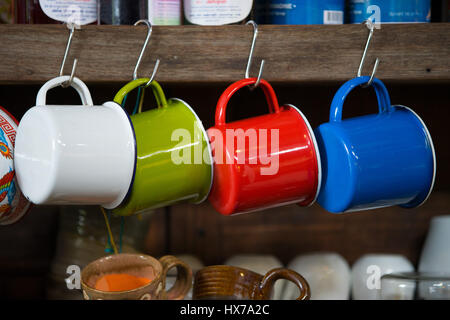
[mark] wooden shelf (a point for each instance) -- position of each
(192, 54)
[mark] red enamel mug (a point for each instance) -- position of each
(265, 161)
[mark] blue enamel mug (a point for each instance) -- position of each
(375, 160)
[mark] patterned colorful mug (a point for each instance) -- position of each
(13, 204)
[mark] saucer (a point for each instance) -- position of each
(13, 204)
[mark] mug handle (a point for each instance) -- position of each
(221, 108)
(384, 101)
(130, 86)
(76, 83)
(273, 275)
(184, 277)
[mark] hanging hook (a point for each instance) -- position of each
(249, 63)
(370, 25)
(147, 39)
(72, 27)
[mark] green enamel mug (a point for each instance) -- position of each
(174, 160)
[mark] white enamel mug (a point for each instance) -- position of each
(75, 154)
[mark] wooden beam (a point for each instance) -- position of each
(193, 54)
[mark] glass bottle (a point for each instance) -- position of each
(116, 12)
(300, 12)
(6, 11)
(82, 238)
(55, 11)
(206, 12)
(162, 12)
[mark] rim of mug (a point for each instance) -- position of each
(205, 136)
(432, 149)
(126, 191)
(316, 149)
(7, 221)
(388, 255)
(14, 120)
(271, 206)
(84, 284)
(228, 267)
(417, 276)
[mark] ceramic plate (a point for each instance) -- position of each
(13, 205)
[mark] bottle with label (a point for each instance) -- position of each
(389, 11)
(162, 12)
(300, 11)
(217, 12)
(6, 11)
(446, 17)
(30, 12)
(80, 12)
(82, 237)
(117, 12)
(440, 10)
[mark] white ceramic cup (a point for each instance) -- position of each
(435, 257)
(327, 273)
(75, 154)
(368, 270)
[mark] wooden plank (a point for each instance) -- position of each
(193, 54)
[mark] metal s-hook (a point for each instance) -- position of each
(249, 63)
(147, 39)
(72, 27)
(370, 25)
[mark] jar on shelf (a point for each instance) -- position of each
(205, 12)
(118, 12)
(300, 12)
(389, 11)
(6, 11)
(80, 12)
(82, 238)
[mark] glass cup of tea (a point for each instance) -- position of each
(415, 286)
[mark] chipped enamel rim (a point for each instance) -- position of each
(316, 147)
(432, 149)
(205, 136)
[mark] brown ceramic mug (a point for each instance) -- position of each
(233, 283)
(138, 265)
